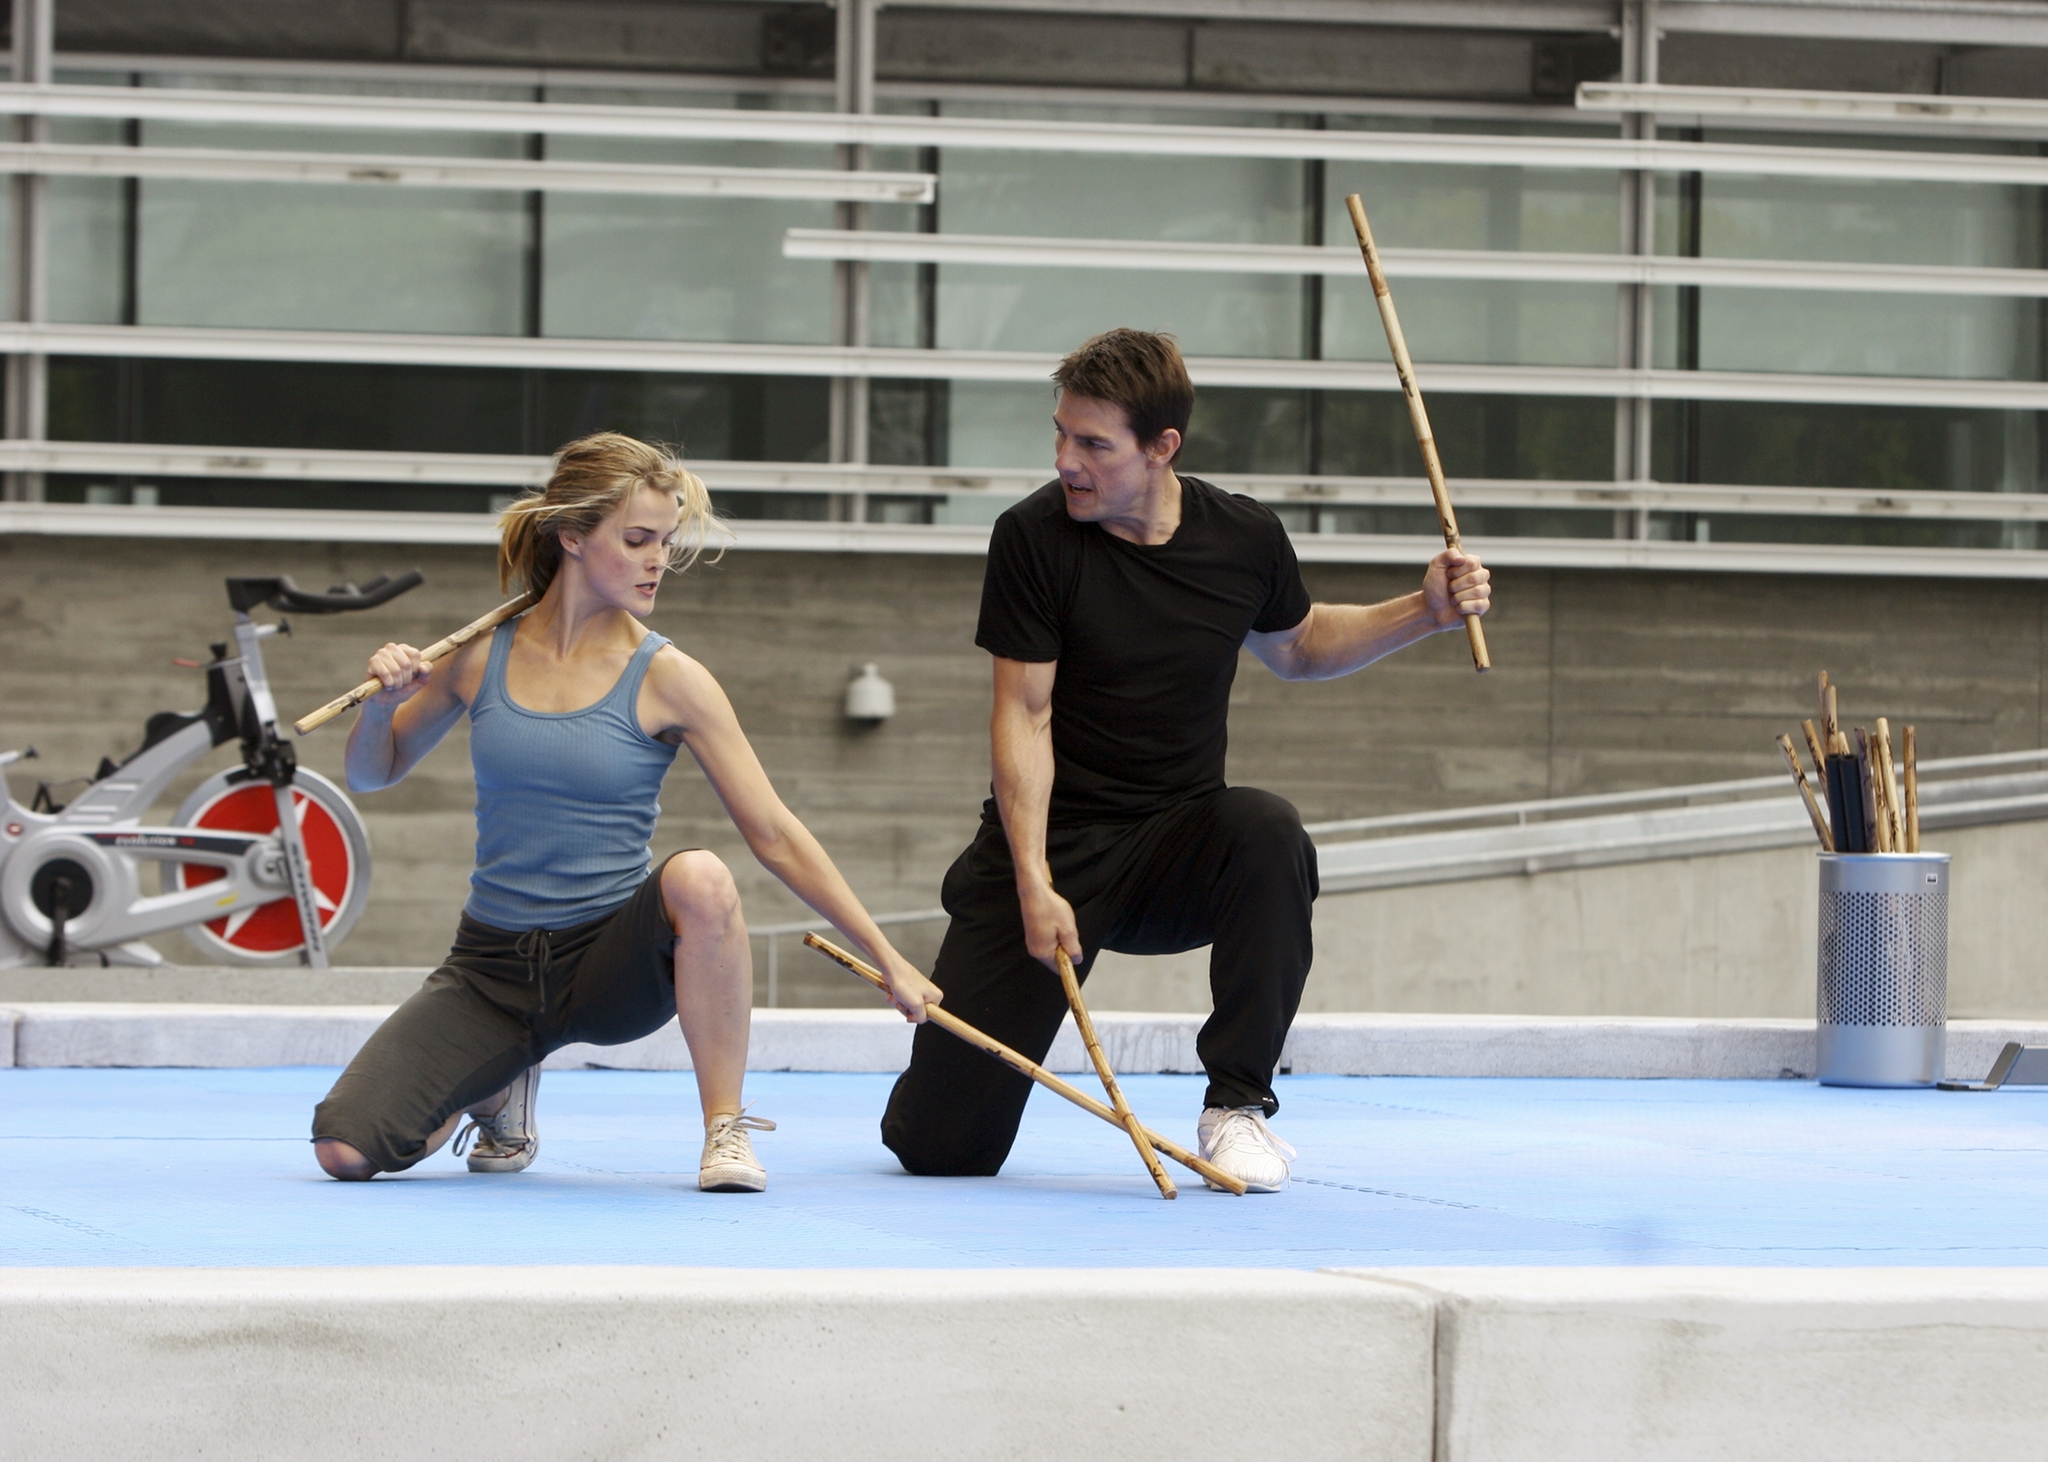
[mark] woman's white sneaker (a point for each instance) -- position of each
(1238, 1141)
(508, 1140)
(729, 1164)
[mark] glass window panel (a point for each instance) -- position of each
(343, 258)
(1211, 200)
(719, 418)
(684, 268)
(1476, 322)
(1825, 332)
(1871, 222)
(1479, 322)
(1782, 444)
(88, 221)
(1000, 424)
(1368, 434)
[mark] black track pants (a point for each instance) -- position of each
(1231, 869)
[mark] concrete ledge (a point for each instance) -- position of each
(631, 1362)
(1410, 1365)
(1736, 1365)
(1555, 1045)
(109, 1033)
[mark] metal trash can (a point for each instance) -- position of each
(1883, 999)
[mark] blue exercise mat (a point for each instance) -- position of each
(195, 1167)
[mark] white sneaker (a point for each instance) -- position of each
(508, 1141)
(1238, 1141)
(729, 1164)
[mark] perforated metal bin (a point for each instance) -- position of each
(1883, 999)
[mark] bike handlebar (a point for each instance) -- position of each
(282, 594)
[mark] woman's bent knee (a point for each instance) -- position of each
(697, 887)
(338, 1160)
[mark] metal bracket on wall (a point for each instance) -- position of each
(2017, 1065)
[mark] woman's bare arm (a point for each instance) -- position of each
(401, 723)
(693, 703)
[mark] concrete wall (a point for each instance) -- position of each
(1605, 681)
(1733, 935)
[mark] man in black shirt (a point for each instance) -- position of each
(1115, 602)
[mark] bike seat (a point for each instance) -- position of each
(282, 594)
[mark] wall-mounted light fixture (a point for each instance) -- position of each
(869, 698)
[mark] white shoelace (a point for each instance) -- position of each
(725, 1140)
(1248, 1125)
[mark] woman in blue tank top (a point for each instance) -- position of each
(571, 933)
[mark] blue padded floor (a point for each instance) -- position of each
(184, 1167)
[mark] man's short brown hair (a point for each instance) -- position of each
(1139, 371)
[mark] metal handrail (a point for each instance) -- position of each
(1522, 812)
(774, 933)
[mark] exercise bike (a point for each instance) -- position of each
(264, 863)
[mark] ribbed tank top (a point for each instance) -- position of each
(565, 800)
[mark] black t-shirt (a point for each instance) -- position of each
(1146, 638)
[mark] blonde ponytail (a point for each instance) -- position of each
(592, 476)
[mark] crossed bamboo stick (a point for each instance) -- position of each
(1120, 1115)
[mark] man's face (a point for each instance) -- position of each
(1105, 472)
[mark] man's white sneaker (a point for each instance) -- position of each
(1238, 1141)
(507, 1141)
(729, 1164)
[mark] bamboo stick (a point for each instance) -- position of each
(1912, 794)
(1816, 751)
(1866, 775)
(1126, 1118)
(1889, 779)
(1820, 823)
(945, 1020)
(316, 719)
(1418, 416)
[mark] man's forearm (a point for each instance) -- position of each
(1348, 637)
(1023, 769)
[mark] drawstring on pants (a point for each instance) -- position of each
(536, 947)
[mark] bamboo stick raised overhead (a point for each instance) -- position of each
(1418, 416)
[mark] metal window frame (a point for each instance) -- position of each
(1483, 264)
(129, 459)
(980, 133)
(1821, 110)
(52, 159)
(348, 525)
(1024, 367)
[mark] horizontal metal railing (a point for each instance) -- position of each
(771, 936)
(913, 363)
(316, 464)
(675, 180)
(1606, 154)
(1491, 265)
(1553, 834)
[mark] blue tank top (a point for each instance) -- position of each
(565, 800)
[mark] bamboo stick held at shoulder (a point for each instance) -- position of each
(1418, 416)
(316, 719)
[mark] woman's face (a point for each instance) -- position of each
(625, 556)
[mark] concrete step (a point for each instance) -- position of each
(110, 1033)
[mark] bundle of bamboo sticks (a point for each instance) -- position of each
(1861, 784)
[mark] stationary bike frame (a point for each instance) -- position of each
(70, 880)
